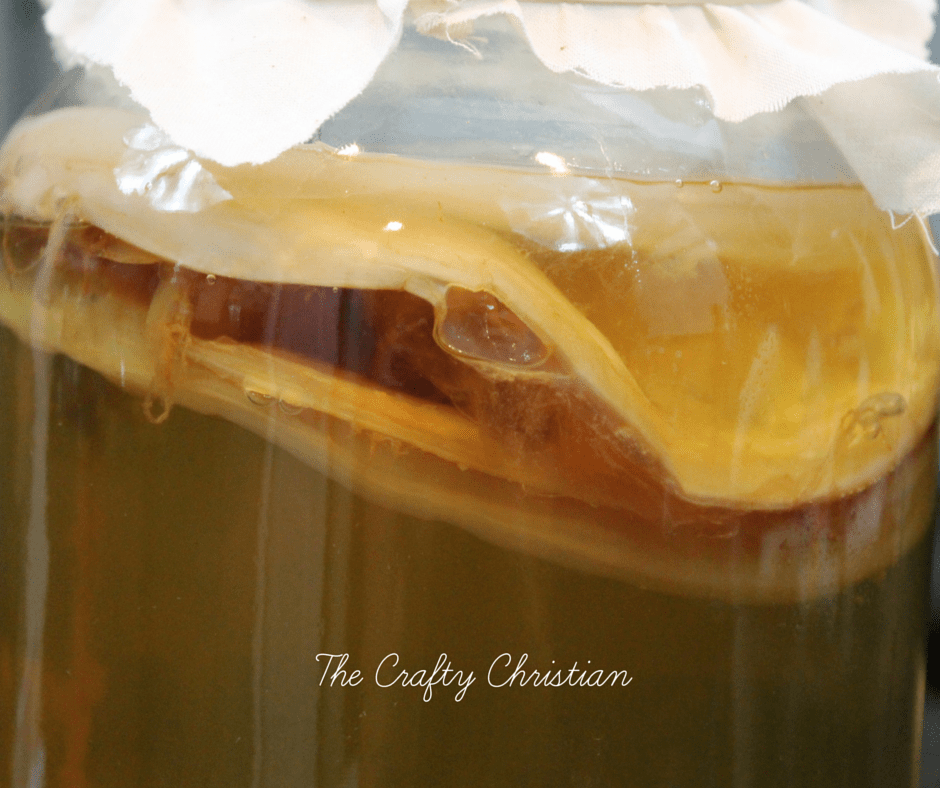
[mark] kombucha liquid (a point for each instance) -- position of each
(180, 568)
(195, 572)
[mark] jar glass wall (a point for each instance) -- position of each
(514, 431)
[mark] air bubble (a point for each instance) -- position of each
(867, 420)
(258, 397)
(881, 406)
(157, 408)
(210, 279)
(478, 325)
(289, 409)
(716, 186)
(679, 183)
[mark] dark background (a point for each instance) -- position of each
(26, 67)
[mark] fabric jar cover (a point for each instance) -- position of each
(245, 78)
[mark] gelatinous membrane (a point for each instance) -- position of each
(707, 376)
(349, 385)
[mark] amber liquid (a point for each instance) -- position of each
(195, 572)
(173, 576)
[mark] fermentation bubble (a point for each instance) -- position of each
(478, 325)
(258, 397)
(289, 408)
(157, 408)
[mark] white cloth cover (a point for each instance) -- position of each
(242, 80)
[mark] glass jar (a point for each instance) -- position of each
(514, 431)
